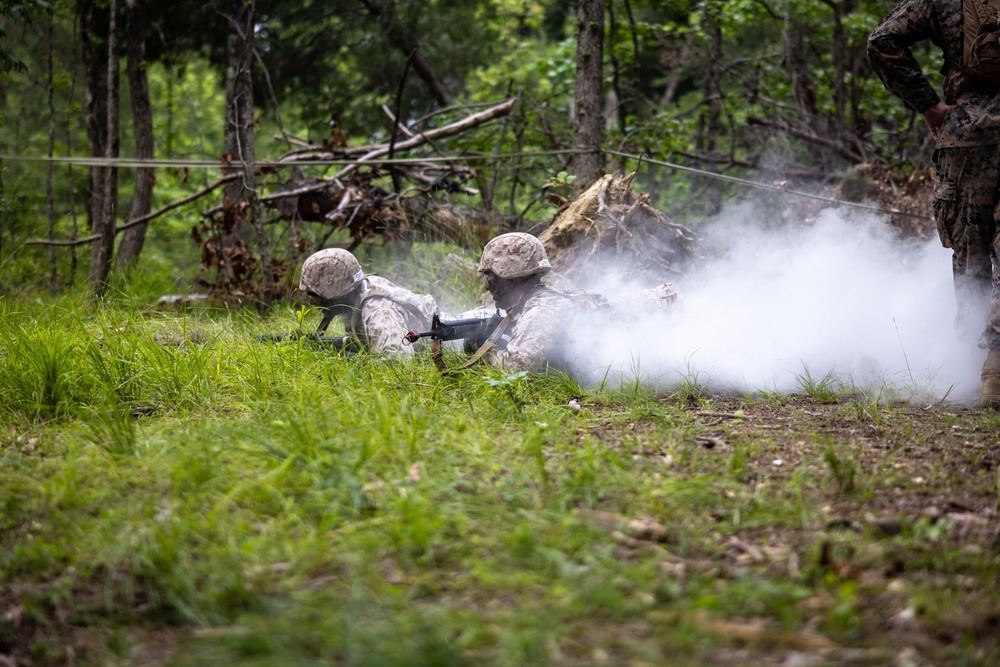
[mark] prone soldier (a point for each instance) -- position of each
(376, 312)
(513, 266)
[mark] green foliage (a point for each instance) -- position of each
(19, 11)
(346, 60)
(167, 480)
(825, 389)
(844, 469)
(560, 180)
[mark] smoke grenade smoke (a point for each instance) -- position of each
(844, 298)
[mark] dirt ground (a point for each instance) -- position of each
(909, 499)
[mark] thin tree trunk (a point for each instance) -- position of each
(134, 238)
(230, 226)
(840, 56)
(798, 73)
(241, 195)
(96, 106)
(708, 122)
(409, 45)
(102, 252)
(588, 94)
(618, 112)
(677, 71)
(50, 171)
(708, 125)
(69, 170)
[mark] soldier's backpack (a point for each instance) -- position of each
(981, 34)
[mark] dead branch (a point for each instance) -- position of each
(836, 146)
(141, 219)
(368, 153)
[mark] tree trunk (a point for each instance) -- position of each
(134, 238)
(50, 171)
(709, 119)
(241, 194)
(589, 92)
(840, 56)
(409, 46)
(102, 252)
(796, 64)
(93, 65)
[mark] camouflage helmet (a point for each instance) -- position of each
(514, 255)
(330, 273)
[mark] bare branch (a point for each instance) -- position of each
(145, 218)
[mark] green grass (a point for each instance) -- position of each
(825, 389)
(170, 487)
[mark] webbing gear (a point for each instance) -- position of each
(370, 292)
(981, 39)
(355, 325)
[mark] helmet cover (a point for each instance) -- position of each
(330, 273)
(514, 255)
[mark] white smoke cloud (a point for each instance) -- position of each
(844, 296)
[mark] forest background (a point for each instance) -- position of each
(779, 93)
(174, 491)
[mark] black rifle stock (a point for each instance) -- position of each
(474, 328)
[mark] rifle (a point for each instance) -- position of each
(336, 342)
(474, 328)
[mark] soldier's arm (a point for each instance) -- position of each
(893, 62)
(385, 325)
(536, 333)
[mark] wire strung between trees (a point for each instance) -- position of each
(784, 189)
(334, 161)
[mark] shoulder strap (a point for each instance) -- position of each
(491, 341)
(374, 292)
(488, 345)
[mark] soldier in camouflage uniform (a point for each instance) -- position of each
(513, 266)
(966, 126)
(375, 312)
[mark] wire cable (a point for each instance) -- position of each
(215, 164)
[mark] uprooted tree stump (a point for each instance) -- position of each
(609, 229)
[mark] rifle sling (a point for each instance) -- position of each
(436, 356)
(483, 349)
(375, 292)
(489, 344)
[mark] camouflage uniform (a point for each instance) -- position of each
(632, 306)
(387, 312)
(967, 155)
(530, 334)
(531, 339)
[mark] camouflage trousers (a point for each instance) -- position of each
(966, 209)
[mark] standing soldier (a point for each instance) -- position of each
(966, 127)
(375, 312)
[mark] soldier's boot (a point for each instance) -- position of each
(991, 380)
